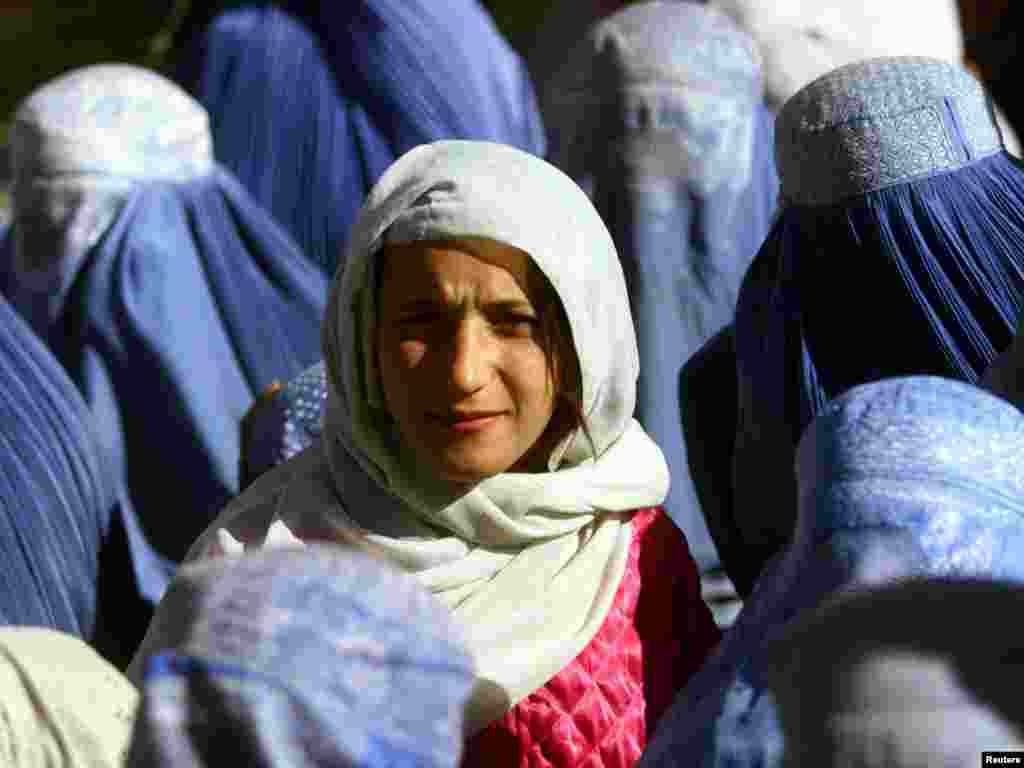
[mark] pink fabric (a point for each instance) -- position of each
(598, 711)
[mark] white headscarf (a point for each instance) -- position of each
(528, 563)
(61, 704)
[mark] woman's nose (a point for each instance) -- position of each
(472, 356)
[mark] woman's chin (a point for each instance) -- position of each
(472, 470)
(463, 476)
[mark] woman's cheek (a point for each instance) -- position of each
(535, 370)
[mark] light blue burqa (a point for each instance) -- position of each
(918, 476)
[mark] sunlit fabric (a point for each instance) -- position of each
(321, 657)
(908, 477)
(562, 25)
(61, 704)
(803, 39)
(900, 251)
(311, 101)
(169, 296)
(658, 115)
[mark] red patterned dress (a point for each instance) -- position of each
(599, 710)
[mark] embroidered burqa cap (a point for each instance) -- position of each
(79, 145)
(876, 123)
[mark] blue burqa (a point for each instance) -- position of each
(58, 497)
(169, 296)
(899, 251)
(657, 114)
(311, 101)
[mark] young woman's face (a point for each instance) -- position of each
(462, 369)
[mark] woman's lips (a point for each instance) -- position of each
(465, 423)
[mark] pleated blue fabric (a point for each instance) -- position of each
(311, 101)
(194, 303)
(658, 115)
(917, 477)
(58, 498)
(899, 251)
(170, 297)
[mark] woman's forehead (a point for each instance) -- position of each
(429, 265)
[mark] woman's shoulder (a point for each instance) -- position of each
(247, 518)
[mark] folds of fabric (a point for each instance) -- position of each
(193, 303)
(710, 376)
(62, 705)
(897, 182)
(905, 477)
(311, 658)
(379, 77)
(659, 117)
(57, 495)
(151, 312)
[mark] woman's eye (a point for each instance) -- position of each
(518, 324)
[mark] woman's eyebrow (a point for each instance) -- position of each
(501, 305)
(510, 305)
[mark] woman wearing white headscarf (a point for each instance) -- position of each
(482, 368)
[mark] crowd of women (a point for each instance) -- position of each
(362, 405)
